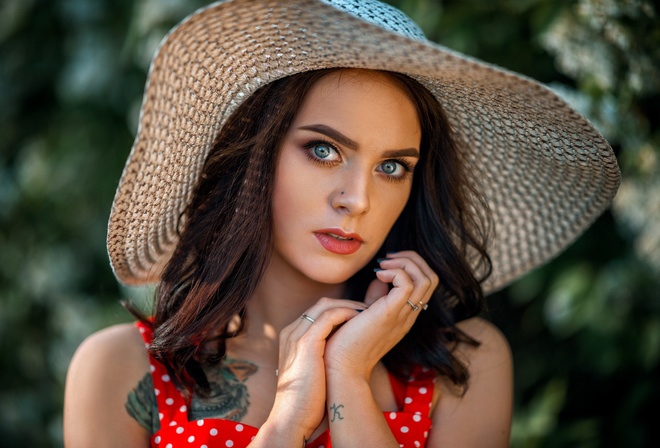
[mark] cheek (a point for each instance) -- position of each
(391, 205)
(294, 190)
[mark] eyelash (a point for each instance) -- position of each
(407, 167)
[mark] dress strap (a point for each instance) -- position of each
(414, 395)
(419, 392)
(172, 406)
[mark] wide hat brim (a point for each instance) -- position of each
(544, 170)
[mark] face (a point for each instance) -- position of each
(343, 175)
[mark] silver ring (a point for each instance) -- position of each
(412, 305)
(424, 306)
(305, 316)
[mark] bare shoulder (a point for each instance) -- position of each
(481, 416)
(493, 350)
(104, 369)
(120, 339)
(115, 354)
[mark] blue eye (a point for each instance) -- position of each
(396, 170)
(322, 151)
(389, 167)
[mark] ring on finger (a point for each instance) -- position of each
(305, 316)
(424, 306)
(412, 305)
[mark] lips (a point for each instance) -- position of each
(339, 242)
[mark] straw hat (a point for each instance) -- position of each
(545, 171)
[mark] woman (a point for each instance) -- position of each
(323, 197)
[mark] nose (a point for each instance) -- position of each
(351, 196)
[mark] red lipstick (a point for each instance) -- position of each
(338, 242)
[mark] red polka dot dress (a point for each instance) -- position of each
(410, 426)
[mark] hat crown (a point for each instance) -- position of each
(380, 14)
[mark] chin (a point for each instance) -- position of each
(333, 272)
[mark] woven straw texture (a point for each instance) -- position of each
(543, 168)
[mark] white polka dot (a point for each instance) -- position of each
(404, 429)
(239, 427)
(141, 329)
(408, 400)
(146, 345)
(157, 392)
(426, 434)
(172, 423)
(417, 417)
(203, 446)
(152, 368)
(165, 378)
(392, 415)
(213, 432)
(200, 422)
(179, 430)
(169, 445)
(160, 416)
(191, 439)
(169, 401)
(422, 390)
(417, 444)
(229, 443)
(183, 408)
(157, 439)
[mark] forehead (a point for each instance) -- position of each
(358, 85)
(355, 101)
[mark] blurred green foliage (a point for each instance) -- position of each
(585, 329)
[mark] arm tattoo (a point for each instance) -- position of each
(336, 415)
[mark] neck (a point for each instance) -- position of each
(281, 297)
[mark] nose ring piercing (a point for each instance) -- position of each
(305, 316)
(413, 306)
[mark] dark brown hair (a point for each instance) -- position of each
(226, 242)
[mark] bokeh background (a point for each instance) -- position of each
(585, 329)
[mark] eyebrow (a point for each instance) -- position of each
(352, 144)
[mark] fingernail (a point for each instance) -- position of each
(380, 260)
(377, 269)
(359, 310)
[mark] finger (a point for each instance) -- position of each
(403, 299)
(324, 324)
(402, 287)
(301, 325)
(421, 262)
(305, 338)
(375, 291)
(326, 303)
(423, 284)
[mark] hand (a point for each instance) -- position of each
(301, 394)
(362, 342)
